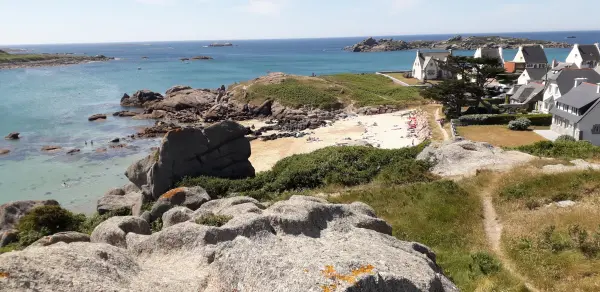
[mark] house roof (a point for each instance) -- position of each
(527, 93)
(491, 53)
(562, 65)
(565, 115)
(426, 57)
(581, 95)
(589, 52)
(536, 73)
(565, 79)
(534, 54)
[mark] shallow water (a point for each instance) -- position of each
(50, 106)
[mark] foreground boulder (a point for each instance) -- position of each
(191, 198)
(12, 136)
(11, 213)
(221, 150)
(466, 158)
(116, 200)
(303, 244)
(186, 98)
(114, 230)
(66, 237)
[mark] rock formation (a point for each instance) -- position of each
(140, 98)
(12, 136)
(51, 148)
(303, 244)
(455, 43)
(4, 151)
(465, 158)
(220, 151)
(202, 58)
(97, 117)
(125, 114)
(11, 213)
(176, 88)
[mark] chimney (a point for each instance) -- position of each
(501, 53)
(598, 88)
(578, 81)
(554, 63)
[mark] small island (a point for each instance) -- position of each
(221, 45)
(454, 43)
(15, 61)
(202, 58)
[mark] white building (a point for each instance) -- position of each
(427, 66)
(532, 74)
(532, 56)
(497, 53)
(584, 56)
(560, 82)
(577, 113)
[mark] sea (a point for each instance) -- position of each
(50, 105)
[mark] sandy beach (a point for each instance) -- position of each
(386, 131)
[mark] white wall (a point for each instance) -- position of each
(523, 79)
(574, 57)
(519, 57)
(417, 69)
(567, 128)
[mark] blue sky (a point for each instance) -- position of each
(85, 21)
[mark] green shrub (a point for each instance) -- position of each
(213, 220)
(564, 186)
(520, 124)
(295, 94)
(504, 119)
(93, 221)
(405, 172)
(485, 263)
(157, 225)
(10, 247)
(565, 138)
(341, 166)
(46, 220)
(562, 149)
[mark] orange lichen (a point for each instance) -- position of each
(4, 275)
(172, 193)
(330, 273)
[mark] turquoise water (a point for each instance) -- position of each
(50, 106)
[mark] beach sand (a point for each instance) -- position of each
(386, 131)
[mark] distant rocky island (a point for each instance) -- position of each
(454, 43)
(15, 61)
(221, 45)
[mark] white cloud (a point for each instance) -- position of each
(264, 7)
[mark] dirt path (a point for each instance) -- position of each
(493, 231)
(437, 117)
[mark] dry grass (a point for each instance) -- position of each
(436, 132)
(499, 135)
(409, 81)
(556, 262)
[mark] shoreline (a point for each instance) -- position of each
(60, 61)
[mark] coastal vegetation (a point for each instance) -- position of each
(8, 61)
(563, 149)
(328, 92)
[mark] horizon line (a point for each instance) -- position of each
(6, 46)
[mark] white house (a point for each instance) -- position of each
(559, 83)
(532, 56)
(497, 53)
(577, 113)
(532, 74)
(427, 66)
(584, 56)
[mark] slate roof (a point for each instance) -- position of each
(580, 96)
(425, 57)
(536, 73)
(566, 78)
(565, 115)
(491, 53)
(589, 52)
(534, 54)
(529, 92)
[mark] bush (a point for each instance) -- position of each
(504, 119)
(46, 220)
(565, 138)
(485, 263)
(341, 166)
(520, 124)
(562, 149)
(90, 223)
(213, 220)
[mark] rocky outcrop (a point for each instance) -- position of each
(11, 213)
(466, 158)
(97, 117)
(303, 244)
(176, 88)
(13, 136)
(176, 215)
(191, 198)
(73, 151)
(202, 58)
(66, 237)
(187, 98)
(112, 202)
(114, 230)
(4, 151)
(51, 148)
(140, 98)
(455, 43)
(221, 45)
(220, 151)
(123, 114)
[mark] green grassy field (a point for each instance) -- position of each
(333, 91)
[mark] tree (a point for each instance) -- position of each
(476, 74)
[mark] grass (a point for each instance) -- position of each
(409, 81)
(24, 58)
(447, 218)
(213, 220)
(436, 132)
(499, 135)
(558, 249)
(563, 150)
(330, 92)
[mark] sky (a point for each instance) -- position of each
(85, 21)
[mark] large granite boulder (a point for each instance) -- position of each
(191, 198)
(140, 98)
(187, 98)
(11, 213)
(176, 88)
(66, 237)
(221, 150)
(176, 215)
(116, 200)
(114, 230)
(303, 244)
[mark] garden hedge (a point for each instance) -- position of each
(504, 119)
